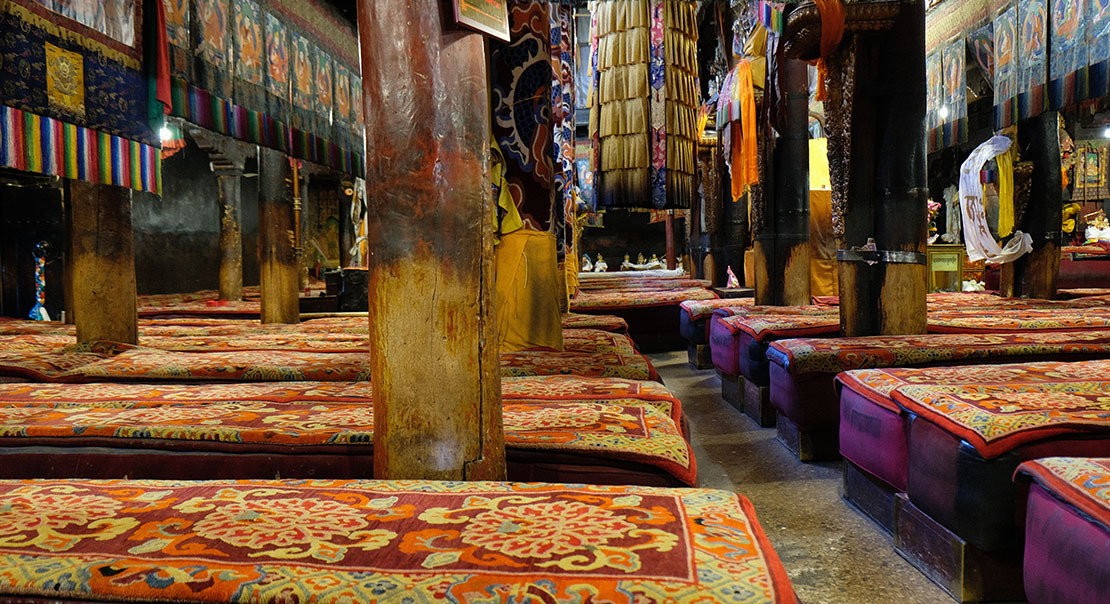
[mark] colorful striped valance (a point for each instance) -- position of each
(219, 115)
(45, 145)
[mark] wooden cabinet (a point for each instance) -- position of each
(948, 267)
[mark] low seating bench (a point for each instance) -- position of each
(964, 431)
(802, 371)
(333, 541)
(558, 429)
(1067, 530)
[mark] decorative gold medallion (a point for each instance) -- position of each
(65, 81)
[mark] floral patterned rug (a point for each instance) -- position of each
(1082, 482)
(997, 408)
(332, 541)
(602, 421)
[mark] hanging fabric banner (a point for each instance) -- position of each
(977, 235)
(522, 111)
(955, 94)
(934, 91)
(1068, 63)
(1005, 68)
(981, 45)
(1033, 57)
(1098, 47)
(45, 145)
(658, 105)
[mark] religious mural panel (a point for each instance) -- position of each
(277, 57)
(113, 18)
(1069, 50)
(981, 45)
(177, 22)
(303, 94)
(342, 105)
(1033, 44)
(1098, 32)
(1005, 56)
(248, 41)
(356, 100)
(934, 87)
(212, 25)
(955, 81)
(323, 81)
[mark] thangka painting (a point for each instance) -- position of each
(342, 103)
(981, 44)
(1090, 171)
(303, 94)
(1005, 56)
(955, 81)
(1098, 33)
(113, 18)
(277, 57)
(177, 22)
(248, 38)
(934, 88)
(1069, 50)
(356, 100)
(212, 42)
(1032, 44)
(323, 81)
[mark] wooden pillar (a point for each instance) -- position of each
(672, 262)
(277, 263)
(68, 274)
(103, 263)
(1035, 274)
(883, 292)
(433, 346)
(231, 234)
(782, 254)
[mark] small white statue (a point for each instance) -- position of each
(600, 266)
(954, 216)
(587, 266)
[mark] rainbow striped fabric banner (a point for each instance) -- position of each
(770, 15)
(224, 117)
(45, 145)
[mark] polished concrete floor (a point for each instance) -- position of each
(833, 554)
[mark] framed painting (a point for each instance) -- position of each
(487, 16)
(1090, 171)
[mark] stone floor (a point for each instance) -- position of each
(833, 554)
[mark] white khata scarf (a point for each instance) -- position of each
(977, 235)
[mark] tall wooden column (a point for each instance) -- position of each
(1035, 274)
(782, 251)
(231, 234)
(880, 78)
(102, 263)
(277, 264)
(433, 343)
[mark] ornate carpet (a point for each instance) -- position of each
(637, 298)
(117, 362)
(303, 417)
(997, 408)
(374, 541)
(703, 309)
(765, 327)
(602, 322)
(1082, 482)
(803, 356)
(634, 284)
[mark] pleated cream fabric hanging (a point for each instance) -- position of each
(681, 47)
(645, 127)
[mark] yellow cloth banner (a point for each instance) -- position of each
(1006, 192)
(527, 289)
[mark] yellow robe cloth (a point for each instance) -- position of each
(511, 220)
(823, 280)
(1006, 192)
(744, 152)
(527, 289)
